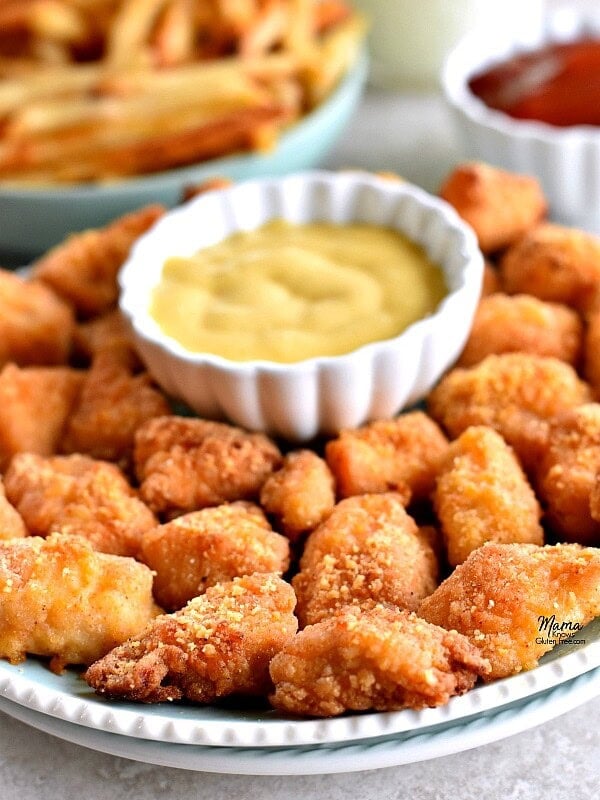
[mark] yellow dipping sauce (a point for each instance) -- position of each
(289, 292)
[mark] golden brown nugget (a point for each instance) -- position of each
(36, 326)
(106, 332)
(500, 206)
(300, 495)
(401, 454)
(60, 598)
(83, 269)
(508, 598)
(523, 324)
(11, 522)
(383, 659)
(79, 496)
(482, 495)
(567, 473)
(368, 549)
(595, 498)
(35, 403)
(221, 643)
(112, 405)
(186, 464)
(514, 393)
(554, 263)
(210, 546)
(591, 357)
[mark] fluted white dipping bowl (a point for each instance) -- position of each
(565, 160)
(319, 395)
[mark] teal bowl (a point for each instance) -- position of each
(32, 220)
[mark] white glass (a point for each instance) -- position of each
(409, 39)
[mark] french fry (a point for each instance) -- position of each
(130, 31)
(174, 38)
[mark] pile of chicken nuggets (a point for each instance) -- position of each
(390, 567)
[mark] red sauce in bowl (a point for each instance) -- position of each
(559, 85)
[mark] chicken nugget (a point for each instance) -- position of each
(521, 323)
(368, 549)
(60, 598)
(500, 206)
(221, 643)
(79, 496)
(83, 269)
(401, 454)
(35, 403)
(591, 353)
(186, 464)
(567, 473)
(483, 496)
(383, 659)
(211, 546)
(516, 601)
(112, 405)
(554, 263)
(36, 326)
(109, 331)
(300, 495)
(514, 393)
(11, 522)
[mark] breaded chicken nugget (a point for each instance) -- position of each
(60, 598)
(567, 473)
(591, 358)
(383, 659)
(11, 522)
(35, 403)
(483, 496)
(401, 454)
(300, 495)
(211, 546)
(368, 549)
(595, 498)
(80, 496)
(107, 332)
(523, 324)
(514, 393)
(499, 206)
(554, 263)
(83, 269)
(221, 643)
(491, 280)
(36, 326)
(506, 599)
(112, 405)
(186, 464)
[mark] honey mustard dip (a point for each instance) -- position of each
(289, 292)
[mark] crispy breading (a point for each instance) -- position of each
(185, 464)
(35, 403)
(300, 495)
(60, 598)
(211, 546)
(11, 522)
(595, 498)
(523, 324)
(368, 549)
(567, 473)
(106, 332)
(401, 454)
(83, 269)
(383, 659)
(221, 643)
(500, 206)
(514, 393)
(36, 326)
(483, 496)
(112, 405)
(505, 598)
(79, 496)
(554, 263)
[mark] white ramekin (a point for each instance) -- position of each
(320, 395)
(565, 160)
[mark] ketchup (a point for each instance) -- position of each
(559, 85)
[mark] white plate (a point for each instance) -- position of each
(361, 755)
(68, 698)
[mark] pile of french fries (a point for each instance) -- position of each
(97, 90)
